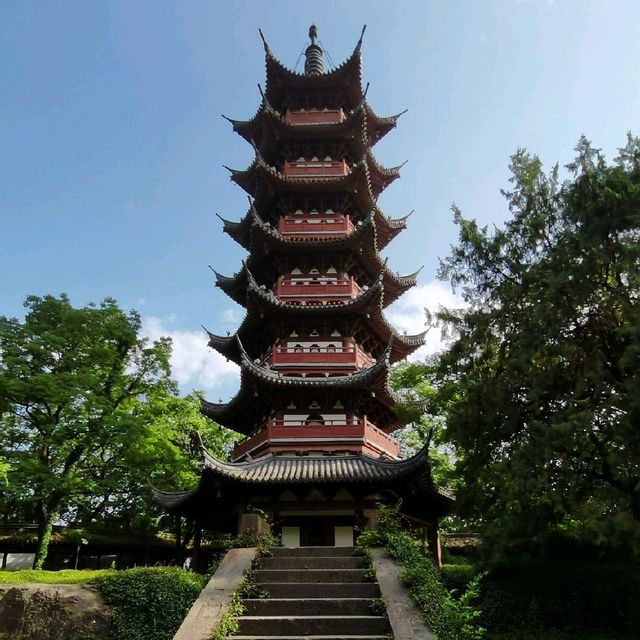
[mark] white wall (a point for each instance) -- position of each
(344, 536)
(16, 561)
(290, 537)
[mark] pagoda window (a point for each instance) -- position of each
(314, 420)
(314, 212)
(298, 212)
(314, 271)
(298, 348)
(331, 348)
(296, 271)
(314, 348)
(332, 270)
(313, 333)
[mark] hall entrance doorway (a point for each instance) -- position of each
(318, 531)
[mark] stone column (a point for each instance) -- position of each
(252, 524)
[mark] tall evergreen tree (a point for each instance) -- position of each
(541, 387)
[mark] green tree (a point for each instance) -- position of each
(160, 452)
(89, 415)
(541, 387)
(4, 469)
(415, 382)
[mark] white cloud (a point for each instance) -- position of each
(408, 315)
(193, 364)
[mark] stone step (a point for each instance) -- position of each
(312, 625)
(308, 607)
(322, 637)
(310, 575)
(312, 551)
(314, 562)
(286, 590)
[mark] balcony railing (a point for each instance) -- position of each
(315, 226)
(318, 289)
(327, 116)
(319, 356)
(351, 434)
(315, 169)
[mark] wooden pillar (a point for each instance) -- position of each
(178, 551)
(434, 544)
(197, 543)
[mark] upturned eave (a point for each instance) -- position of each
(377, 474)
(361, 128)
(347, 78)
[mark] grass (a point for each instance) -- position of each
(555, 635)
(65, 576)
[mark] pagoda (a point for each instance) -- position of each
(314, 349)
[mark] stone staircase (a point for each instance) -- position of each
(315, 593)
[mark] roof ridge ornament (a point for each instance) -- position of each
(313, 65)
(364, 28)
(267, 49)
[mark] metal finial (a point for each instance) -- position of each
(313, 65)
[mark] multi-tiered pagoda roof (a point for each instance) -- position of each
(315, 349)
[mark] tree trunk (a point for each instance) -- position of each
(45, 528)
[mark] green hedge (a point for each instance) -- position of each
(456, 577)
(545, 595)
(149, 603)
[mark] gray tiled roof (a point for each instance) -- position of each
(264, 304)
(286, 468)
(387, 228)
(361, 128)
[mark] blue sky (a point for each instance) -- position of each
(112, 144)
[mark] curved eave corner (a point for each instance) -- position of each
(278, 75)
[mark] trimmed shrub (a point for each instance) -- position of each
(149, 603)
(543, 595)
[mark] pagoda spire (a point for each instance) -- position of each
(313, 65)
